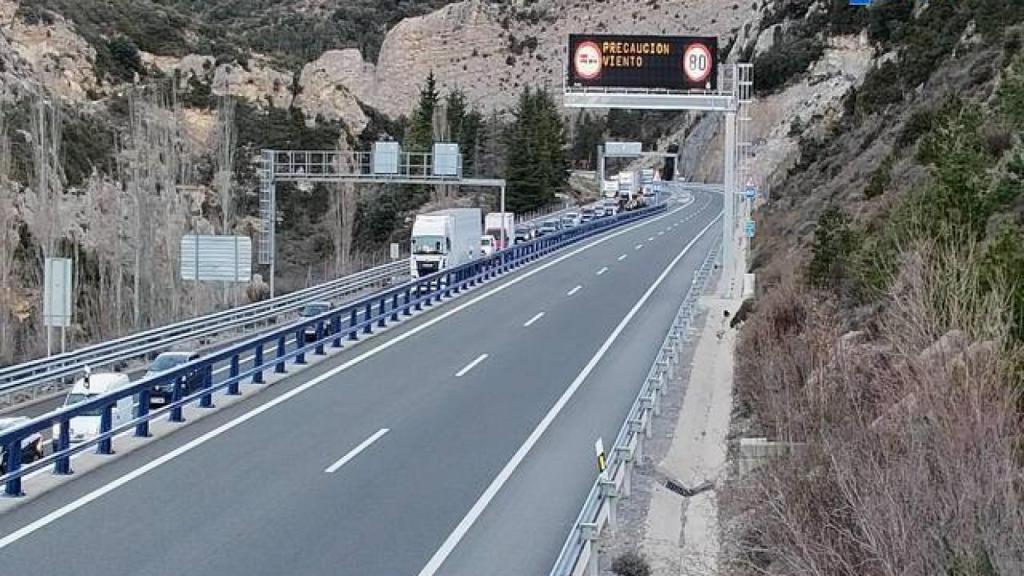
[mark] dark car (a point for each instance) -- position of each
(31, 447)
(312, 310)
(522, 234)
(163, 392)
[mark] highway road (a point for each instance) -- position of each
(460, 442)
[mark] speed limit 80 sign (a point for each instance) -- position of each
(629, 61)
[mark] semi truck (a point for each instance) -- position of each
(444, 239)
(494, 222)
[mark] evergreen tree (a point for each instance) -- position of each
(535, 142)
(421, 132)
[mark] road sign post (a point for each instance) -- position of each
(602, 460)
(57, 283)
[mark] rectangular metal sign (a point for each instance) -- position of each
(57, 292)
(623, 149)
(216, 258)
(385, 157)
(656, 62)
(446, 159)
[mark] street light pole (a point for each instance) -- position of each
(502, 234)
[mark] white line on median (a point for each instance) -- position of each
(574, 290)
(602, 270)
(471, 365)
(536, 317)
(355, 451)
(435, 562)
(98, 493)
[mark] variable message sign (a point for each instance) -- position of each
(656, 62)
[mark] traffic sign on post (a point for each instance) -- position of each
(602, 461)
(748, 228)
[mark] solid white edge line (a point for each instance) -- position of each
(355, 451)
(471, 365)
(489, 493)
(200, 440)
(536, 317)
(574, 290)
(602, 270)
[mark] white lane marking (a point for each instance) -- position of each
(661, 232)
(623, 257)
(200, 440)
(651, 239)
(481, 504)
(574, 290)
(536, 317)
(638, 246)
(471, 365)
(602, 270)
(355, 451)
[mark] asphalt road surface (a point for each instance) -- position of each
(460, 442)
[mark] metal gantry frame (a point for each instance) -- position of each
(733, 99)
(312, 166)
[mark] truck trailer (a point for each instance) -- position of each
(494, 222)
(444, 239)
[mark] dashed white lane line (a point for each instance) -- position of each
(574, 290)
(623, 257)
(355, 451)
(467, 522)
(471, 365)
(638, 246)
(536, 317)
(602, 270)
(63, 511)
(661, 233)
(651, 239)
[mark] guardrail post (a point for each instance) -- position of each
(394, 307)
(206, 400)
(176, 415)
(448, 285)
(104, 446)
(635, 427)
(383, 321)
(408, 302)
(62, 465)
(319, 348)
(610, 493)
(624, 454)
(368, 328)
(352, 324)
(279, 367)
(300, 344)
(336, 330)
(257, 361)
(13, 450)
(233, 377)
(590, 532)
(142, 428)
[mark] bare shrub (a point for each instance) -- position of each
(908, 462)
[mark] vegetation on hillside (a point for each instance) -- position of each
(230, 30)
(891, 358)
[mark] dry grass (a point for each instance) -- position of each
(910, 441)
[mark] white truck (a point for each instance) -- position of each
(609, 188)
(444, 239)
(494, 222)
(629, 184)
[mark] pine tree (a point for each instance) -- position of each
(421, 133)
(535, 142)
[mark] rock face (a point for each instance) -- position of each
(53, 54)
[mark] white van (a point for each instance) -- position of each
(87, 426)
